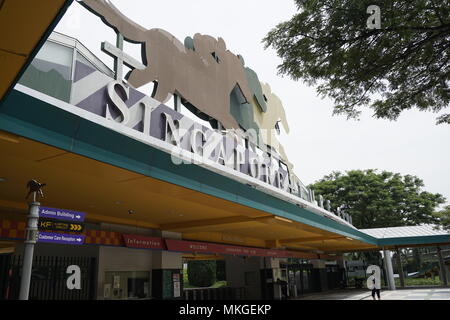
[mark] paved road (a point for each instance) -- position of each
(400, 294)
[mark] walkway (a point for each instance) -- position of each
(400, 294)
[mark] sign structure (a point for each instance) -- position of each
(61, 214)
(52, 219)
(55, 225)
(61, 238)
(141, 242)
(203, 247)
(212, 82)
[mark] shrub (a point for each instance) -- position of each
(202, 273)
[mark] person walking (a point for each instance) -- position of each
(376, 289)
(374, 281)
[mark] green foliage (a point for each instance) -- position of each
(201, 273)
(403, 65)
(436, 281)
(443, 218)
(377, 200)
(219, 284)
(220, 270)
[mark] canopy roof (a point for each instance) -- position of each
(410, 235)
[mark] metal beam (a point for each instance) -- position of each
(213, 222)
(442, 267)
(400, 269)
(311, 239)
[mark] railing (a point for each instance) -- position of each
(48, 278)
(224, 293)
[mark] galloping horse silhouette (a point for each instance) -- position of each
(203, 76)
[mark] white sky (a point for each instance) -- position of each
(318, 142)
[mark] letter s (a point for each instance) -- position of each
(117, 101)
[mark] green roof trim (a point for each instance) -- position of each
(38, 120)
(27, 116)
(402, 241)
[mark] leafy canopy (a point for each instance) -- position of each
(403, 65)
(443, 217)
(377, 200)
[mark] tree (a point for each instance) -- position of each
(405, 64)
(202, 273)
(377, 200)
(221, 274)
(443, 218)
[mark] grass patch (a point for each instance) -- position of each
(420, 282)
(219, 284)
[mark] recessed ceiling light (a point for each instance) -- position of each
(131, 211)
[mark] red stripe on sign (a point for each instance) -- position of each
(142, 242)
(204, 247)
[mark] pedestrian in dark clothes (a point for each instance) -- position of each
(376, 290)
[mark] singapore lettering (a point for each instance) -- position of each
(243, 112)
(204, 144)
(192, 143)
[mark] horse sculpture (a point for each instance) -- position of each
(203, 76)
(268, 120)
(36, 188)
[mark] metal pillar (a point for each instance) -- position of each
(442, 268)
(177, 102)
(31, 239)
(400, 269)
(388, 269)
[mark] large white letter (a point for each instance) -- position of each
(172, 128)
(74, 280)
(117, 101)
(374, 20)
(198, 138)
(374, 280)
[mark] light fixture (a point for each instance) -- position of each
(118, 202)
(6, 136)
(131, 212)
(349, 238)
(283, 219)
(3, 179)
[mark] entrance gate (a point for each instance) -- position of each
(300, 279)
(48, 278)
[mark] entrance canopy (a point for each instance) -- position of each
(94, 165)
(424, 235)
(24, 27)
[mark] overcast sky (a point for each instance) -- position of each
(318, 142)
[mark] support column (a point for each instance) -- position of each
(388, 269)
(32, 236)
(274, 287)
(167, 273)
(250, 275)
(400, 269)
(442, 268)
(320, 273)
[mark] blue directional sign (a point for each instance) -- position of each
(61, 214)
(60, 238)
